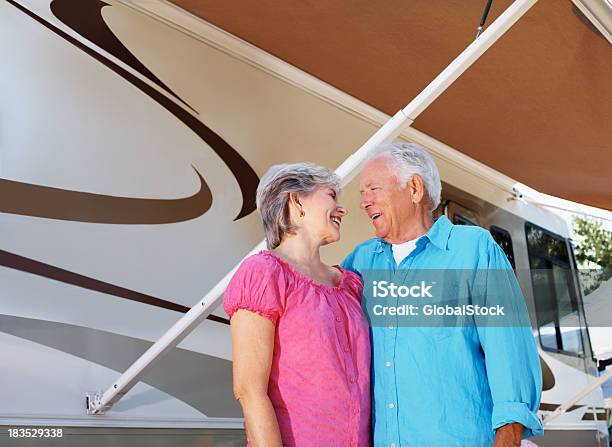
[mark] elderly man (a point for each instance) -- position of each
(466, 386)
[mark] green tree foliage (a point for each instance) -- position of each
(596, 243)
(593, 252)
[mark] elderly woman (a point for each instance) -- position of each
(301, 350)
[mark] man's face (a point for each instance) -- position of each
(387, 204)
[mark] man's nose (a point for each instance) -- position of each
(365, 202)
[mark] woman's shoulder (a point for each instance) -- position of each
(261, 260)
(257, 286)
(352, 282)
(266, 261)
(259, 267)
(268, 264)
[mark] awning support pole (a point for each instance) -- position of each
(98, 403)
(561, 409)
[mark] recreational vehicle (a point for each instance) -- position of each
(133, 134)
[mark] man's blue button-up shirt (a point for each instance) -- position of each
(451, 386)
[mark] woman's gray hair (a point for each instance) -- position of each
(407, 159)
(275, 188)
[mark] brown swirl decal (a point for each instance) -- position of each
(548, 378)
(242, 171)
(23, 264)
(85, 17)
(26, 199)
(553, 407)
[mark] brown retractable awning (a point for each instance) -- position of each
(537, 106)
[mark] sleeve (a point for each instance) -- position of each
(513, 366)
(355, 283)
(258, 286)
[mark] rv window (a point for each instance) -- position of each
(554, 292)
(460, 215)
(502, 237)
(458, 219)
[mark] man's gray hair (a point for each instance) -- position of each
(408, 159)
(274, 190)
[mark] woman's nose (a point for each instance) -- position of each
(342, 210)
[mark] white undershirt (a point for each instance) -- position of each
(400, 251)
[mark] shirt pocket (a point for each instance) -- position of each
(437, 334)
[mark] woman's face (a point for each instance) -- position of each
(322, 215)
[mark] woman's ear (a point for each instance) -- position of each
(294, 202)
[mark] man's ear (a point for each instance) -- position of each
(417, 188)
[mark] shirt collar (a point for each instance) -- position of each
(438, 235)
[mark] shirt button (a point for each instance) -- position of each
(390, 326)
(393, 444)
(345, 348)
(352, 379)
(388, 364)
(356, 411)
(392, 406)
(338, 319)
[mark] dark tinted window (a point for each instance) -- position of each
(502, 237)
(554, 292)
(459, 214)
(544, 244)
(458, 219)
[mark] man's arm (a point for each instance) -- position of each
(512, 362)
(509, 435)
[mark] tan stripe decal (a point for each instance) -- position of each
(553, 407)
(23, 264)
(588, 416)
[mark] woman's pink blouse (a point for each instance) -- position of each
(320, 376)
